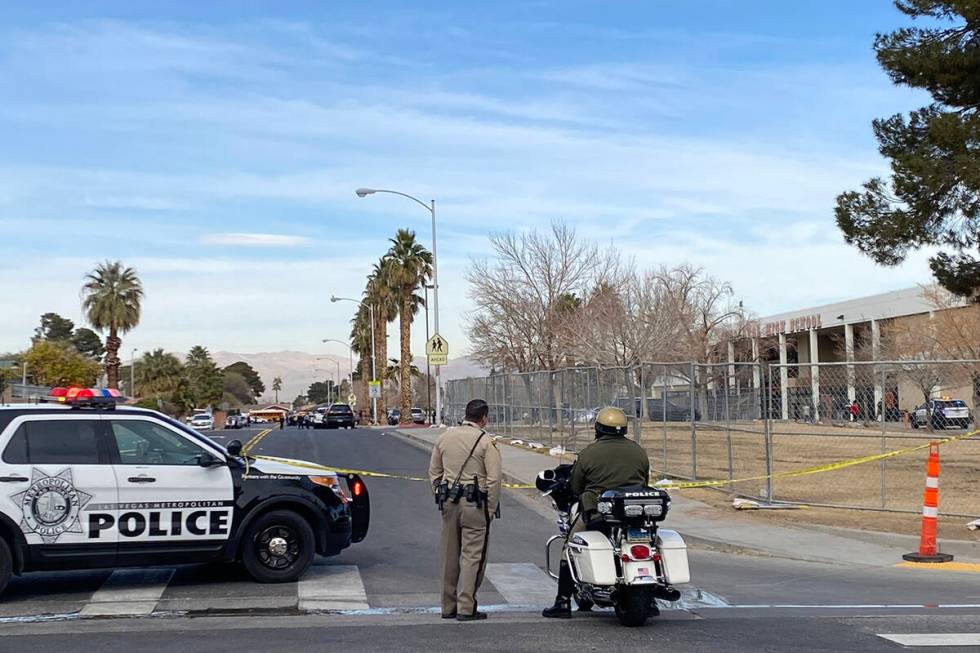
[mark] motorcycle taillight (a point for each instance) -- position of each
(640, 552)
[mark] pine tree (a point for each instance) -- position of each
(933, 196)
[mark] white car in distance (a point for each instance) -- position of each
(202, 421)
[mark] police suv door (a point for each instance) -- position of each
(168, 501)
(55, 483)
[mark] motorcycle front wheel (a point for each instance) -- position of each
(633, 606)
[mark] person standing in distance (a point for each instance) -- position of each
(465, 475)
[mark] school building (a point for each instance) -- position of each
(846, 333)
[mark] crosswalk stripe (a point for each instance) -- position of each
(522, 583)
(129, 592)
(934, 639)
(332, 587)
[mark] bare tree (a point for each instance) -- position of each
(958, 331)
(525, 295)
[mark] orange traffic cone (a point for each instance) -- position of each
(928, 551)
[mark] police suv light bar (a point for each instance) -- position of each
(84, 397)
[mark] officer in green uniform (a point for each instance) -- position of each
(611, 461)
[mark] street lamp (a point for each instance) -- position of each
(350, 357)
(132, 372)
(428, 370)
(431, 208)
(374, 371)
(337, 363)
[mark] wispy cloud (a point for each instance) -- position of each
(255, 240)
(195, 132)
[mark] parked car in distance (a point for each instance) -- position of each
(394, 416)
(664, 410)
(202, 421)
(340, 416)
(233, 422)
(418, 416)
(942, 413)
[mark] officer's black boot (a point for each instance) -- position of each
(562, 609)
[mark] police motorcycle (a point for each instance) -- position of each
(624, 560)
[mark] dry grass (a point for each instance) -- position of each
(799, 446)
(802, 446)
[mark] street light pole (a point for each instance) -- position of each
(132, 372)
(431, 208)
(350, 359)
(374, 368)
(428, 369)
(337, 363)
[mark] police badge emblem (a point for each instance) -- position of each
(51, 504)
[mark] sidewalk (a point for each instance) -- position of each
(699, 522)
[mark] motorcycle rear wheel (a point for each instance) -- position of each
(633, 606)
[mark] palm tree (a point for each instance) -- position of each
(394, 373)
(411, 266)
(380, 293)
(277, 386)
(158, 371)
(112, 297)
(360, 336)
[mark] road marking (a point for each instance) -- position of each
(332, 587)
(128, 592)
(935, 639)
(522, 583)
(255, 440)
(966, 567)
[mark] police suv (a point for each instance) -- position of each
(86, 484)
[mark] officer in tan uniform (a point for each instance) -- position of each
(465, 474)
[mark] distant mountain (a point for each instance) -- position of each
(298, 369)
(457, 368)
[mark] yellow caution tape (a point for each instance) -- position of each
(818, 469)
(360, 472)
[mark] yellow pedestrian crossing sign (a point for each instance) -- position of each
(437, 350)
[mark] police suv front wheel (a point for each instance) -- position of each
(6, 564)
(279, 547)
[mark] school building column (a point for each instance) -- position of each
(815, 374)
(849, 357)
(876, 355)
(783, 378)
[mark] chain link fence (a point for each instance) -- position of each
(755, 426)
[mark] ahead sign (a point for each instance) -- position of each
(437, 350)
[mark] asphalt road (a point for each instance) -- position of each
(737, 602)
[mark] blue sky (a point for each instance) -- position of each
(167, 134)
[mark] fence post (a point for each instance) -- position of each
(694, 433)
(728, 429)
(768, 439)
(638, 418)
(884, 442)
(663, 401)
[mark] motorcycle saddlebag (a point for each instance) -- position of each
(593, 558)
(673, 552)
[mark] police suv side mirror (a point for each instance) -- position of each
(234, 448)
(207, 460)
